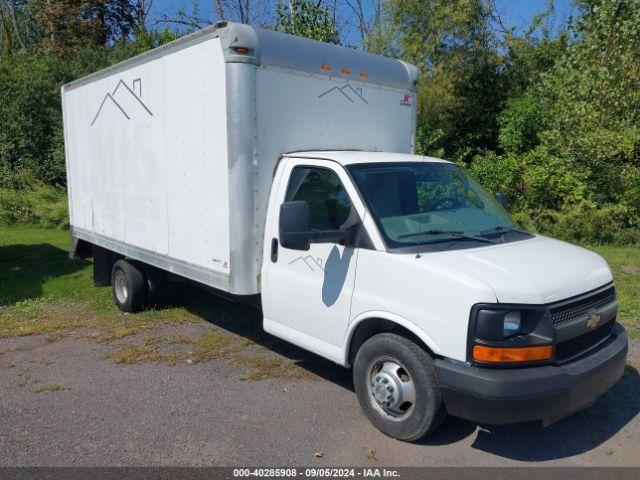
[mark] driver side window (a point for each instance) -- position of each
(329, 203)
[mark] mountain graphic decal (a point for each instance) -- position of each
(126, 100)
(313, 264)
(347, 92)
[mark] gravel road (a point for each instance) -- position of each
(65, 403)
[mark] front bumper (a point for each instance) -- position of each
(547, 393)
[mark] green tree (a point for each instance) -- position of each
(307, 18)
(461, 87)
(575, 131)
(31, 134)
(72, 23)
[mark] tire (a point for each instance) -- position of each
(103, 261)
(129, 287)
(387, 369)
(156, 286)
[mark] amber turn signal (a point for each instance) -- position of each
(241, 49)
(509, 355)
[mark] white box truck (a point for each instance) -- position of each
(274, 167)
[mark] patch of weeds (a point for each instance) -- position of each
(10, 365)
(209, 345)
(53, 336)
(245, 342)
(370, 453)
(169, 316)
(264, 368)
(119, 332)
(152, 340)
(50, 388)
(179, 339)
(36, 317)
(132, 354)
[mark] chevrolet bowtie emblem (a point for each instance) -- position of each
(593, 321)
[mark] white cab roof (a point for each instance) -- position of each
(349, 157)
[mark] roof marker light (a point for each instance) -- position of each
(326, 67)
(346, 71)
(364, 74)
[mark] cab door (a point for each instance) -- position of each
(306, 294)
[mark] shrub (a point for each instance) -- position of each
(588, 223)
(498, 174)
(23, 199)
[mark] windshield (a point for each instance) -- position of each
(419, 203)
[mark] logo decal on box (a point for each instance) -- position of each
(348, 93)
(121, 93)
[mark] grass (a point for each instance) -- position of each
(625, 263)
(210, 345)
(50, 388)
(370, 453)
(131, 354)
(43, 292)
(258, 367)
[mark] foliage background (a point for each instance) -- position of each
(549, 116)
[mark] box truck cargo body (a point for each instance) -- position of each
(281, 169)
(171, 154)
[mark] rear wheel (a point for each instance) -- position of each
(156, 286)
(397, 387)
(103, 261)
(129, 287)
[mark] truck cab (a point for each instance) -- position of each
(404, 268)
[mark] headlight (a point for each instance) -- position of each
(512, 323)
(510, 334)
(496, 324)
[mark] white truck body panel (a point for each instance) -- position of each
(147, 159)
(171, 155)
(315, 113)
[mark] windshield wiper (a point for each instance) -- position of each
(503, 229)
(453, 233)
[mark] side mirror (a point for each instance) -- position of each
(502, 199)
(295, 232)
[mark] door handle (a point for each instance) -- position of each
(274, 250)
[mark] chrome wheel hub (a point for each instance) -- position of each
(391, 388)
(120, 286)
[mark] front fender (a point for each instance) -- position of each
(391, 317)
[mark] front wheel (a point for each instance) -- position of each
(397, 387)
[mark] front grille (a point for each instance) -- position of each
(575, 346)
(569, 311)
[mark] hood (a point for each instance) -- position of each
(535, 271)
